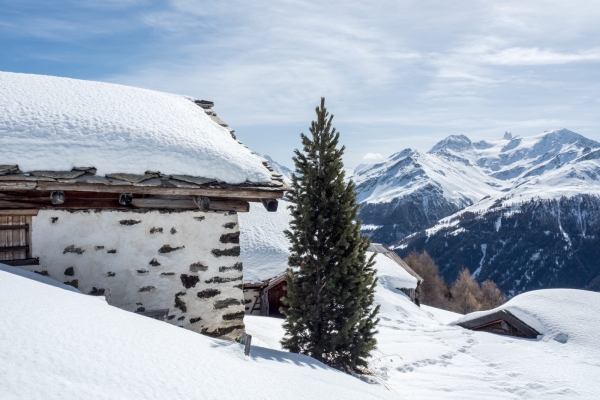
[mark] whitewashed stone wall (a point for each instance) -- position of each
(187, 262)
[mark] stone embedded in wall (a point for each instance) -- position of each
(194, 320)
(207, 293)
(197, 267)
(98, 248)
(233, 316)
(74, 283)
(199, 218)
(73, 249)
(233, 237)
(189, 281)
(142, 271)
(168, 249)
(168, 273)
(156, 230)
(180, 303)
(239, 286)
(170, 317)
(110, 274)
(173, 231)
(230, 225)
(218, 279)
(154, 262)
(232, 252)
(140, 309)
(147, 289)
(97, 292)
(43, 273)
(70, 271)
(237, 266)
(53, 219)
(221, 304)
(221, 331)
(112, 251)
(181, 318)
(129, 222)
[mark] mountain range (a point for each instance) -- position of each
(522, 211)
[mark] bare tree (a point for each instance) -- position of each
(492, 297)
(434, 290)
(466, 293)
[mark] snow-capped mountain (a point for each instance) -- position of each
(522, 211)
(411, 190)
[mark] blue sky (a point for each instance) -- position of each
(395, 74)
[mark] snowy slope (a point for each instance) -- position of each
(420, 356)
(56, 344)
(50, 123)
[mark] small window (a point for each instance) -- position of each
(15, 237)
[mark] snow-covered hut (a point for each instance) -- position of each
(128, 193)
(409, 285)
(265, 250)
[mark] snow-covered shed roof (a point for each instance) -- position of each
(84, 132)
(565, 315)
(382, 249)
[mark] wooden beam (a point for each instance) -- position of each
(17, 185)
(270, 204)
(165, 191)
(174, 204)
(18, 263)
(6, 213)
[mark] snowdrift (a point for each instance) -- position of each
(58, 344)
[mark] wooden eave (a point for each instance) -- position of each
(84, 190)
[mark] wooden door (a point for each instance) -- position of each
(15, 237)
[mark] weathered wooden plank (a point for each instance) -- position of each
(13, 248)
(176, 204)
(262, 193)
(19, 185)
(13, 227)
(29, 222)
(5, 213)
(18, 263)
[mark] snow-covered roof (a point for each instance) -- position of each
(560, 314)
(57, 124)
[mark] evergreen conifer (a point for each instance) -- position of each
(331, 286)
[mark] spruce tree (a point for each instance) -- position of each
(331, 284)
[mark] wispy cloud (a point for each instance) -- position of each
(392, 72)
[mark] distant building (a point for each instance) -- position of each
(500, 322)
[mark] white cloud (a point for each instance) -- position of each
(372, 156)
(536, 56)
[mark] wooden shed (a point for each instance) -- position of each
(411, 292)
(501, 322)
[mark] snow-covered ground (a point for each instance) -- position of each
(421, 354)
(59, 344)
